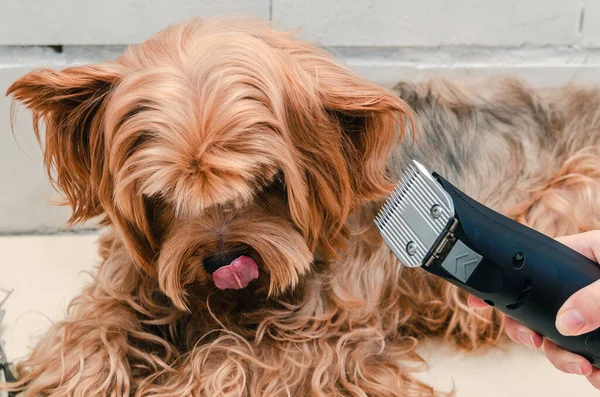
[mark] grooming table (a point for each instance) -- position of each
(47, 271)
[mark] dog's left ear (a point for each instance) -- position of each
(371, 122)
(344, 129)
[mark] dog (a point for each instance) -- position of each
(236, 171)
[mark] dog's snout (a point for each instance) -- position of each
(214, 262)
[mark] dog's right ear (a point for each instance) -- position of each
(70, 104)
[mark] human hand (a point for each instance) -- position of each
(578, 315)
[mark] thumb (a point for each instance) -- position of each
(581, 312)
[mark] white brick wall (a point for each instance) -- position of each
(433, 22)
(107, 21)
(543, 41)
(22, 178)
(591, 23)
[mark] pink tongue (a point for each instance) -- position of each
(237, 274)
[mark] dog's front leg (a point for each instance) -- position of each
(100, 350)
(104, 347)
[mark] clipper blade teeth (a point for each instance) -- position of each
(396, 200)
(406, 220)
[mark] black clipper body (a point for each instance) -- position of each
(526, 275)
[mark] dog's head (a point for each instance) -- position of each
(221, 151)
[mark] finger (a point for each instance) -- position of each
(566, 361)
(521, 334)
(581, 312)
(476, 303)
(594, 378)
(578, 314)
(587, 244)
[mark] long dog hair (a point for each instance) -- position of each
(224, 141)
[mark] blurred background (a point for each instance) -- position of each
(546, 42)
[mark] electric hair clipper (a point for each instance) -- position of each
(429, 223)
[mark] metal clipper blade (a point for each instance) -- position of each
(415, 216)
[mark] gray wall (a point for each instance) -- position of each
(544, 41)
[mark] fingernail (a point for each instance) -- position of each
(526, 339)
(573, 368)
(569, 322)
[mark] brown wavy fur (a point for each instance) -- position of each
(218, 135)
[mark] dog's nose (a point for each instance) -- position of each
(214, 262)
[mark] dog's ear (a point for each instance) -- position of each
(69, 104)
(344, 128)
(372, 122)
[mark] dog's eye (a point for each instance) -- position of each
(279, 181)
(277, 185)
(275, 188)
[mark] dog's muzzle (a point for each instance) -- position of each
(231, 271)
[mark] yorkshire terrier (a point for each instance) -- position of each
(237, 171)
